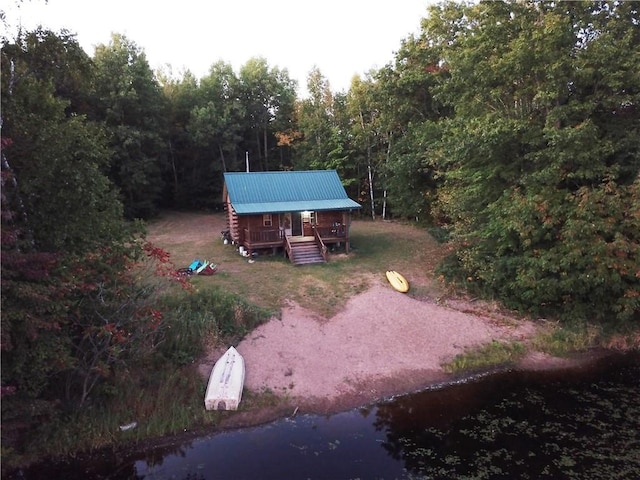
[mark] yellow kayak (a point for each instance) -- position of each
(397, 281)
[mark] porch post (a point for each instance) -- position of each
(346, 221)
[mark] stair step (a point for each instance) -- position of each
(308, 262)
(300, 255)
(308, 258)
(305, 253)
(306, 250)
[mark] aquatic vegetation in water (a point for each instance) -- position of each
(552, 430)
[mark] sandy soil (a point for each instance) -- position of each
(384, 343)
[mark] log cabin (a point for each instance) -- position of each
(301, 212)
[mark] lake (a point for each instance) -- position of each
(583, 423)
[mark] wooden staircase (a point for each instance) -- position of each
(305, 251)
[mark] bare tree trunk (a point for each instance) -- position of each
(224, 163)
(266, 150)
(384, 194)
(173, 168)
(373, 210)
(10, 174)
(19, 204)
(259, 148)
(369, 170)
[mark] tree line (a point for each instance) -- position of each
(511, 127)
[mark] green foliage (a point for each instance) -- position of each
(65, 179)
(366, 133)
(161, 403)
(322, 145)
(45, 57)
(577, 254)
(57, 160)
(411, 176)
(217, 120)
(538, 169)
(143, 350)
(198, 319)
(70, 310)
(32, 348)
(97, 319)
(566, 340)
(322, 138)
(215, 128)
(267, 95)
(494, 354)
(128, 99)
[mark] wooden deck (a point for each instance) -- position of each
(274, 238)
(299, 249)
(332, 234)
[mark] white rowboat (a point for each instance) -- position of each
(226, 382)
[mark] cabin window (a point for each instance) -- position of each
(267, 221)
(308, 217)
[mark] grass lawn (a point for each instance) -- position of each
(324, 289)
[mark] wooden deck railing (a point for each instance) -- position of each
(321, 245)
(287, 247)
(331, 231)
(259, 238)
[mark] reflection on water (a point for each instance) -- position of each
(306, 447)
(584, 424)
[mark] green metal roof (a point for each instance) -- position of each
(278, 192)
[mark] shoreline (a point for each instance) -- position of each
(287, 408)
(382, 345)
(238, 420)
(387, 345)
(293, 406)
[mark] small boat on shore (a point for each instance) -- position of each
(226, 382)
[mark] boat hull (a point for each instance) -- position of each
(226, 382)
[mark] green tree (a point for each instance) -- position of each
(368, 136)
(66, 251)
(215, 126)
(410, 173)
(129, 100)
(181, 96)
(409, 118)
(217, 123)
(58, 159)
(315, 120)
(268, 96)
(114, 325)
(539, 164)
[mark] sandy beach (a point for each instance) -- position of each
(383, 343)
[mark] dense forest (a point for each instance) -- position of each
(511, 128)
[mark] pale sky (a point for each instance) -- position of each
(341, 37)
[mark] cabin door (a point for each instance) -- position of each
(296, 224)
(286, 224)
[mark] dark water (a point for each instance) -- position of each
(578, 424)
